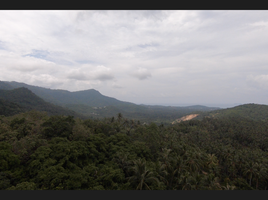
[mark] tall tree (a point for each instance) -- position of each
(142, 177)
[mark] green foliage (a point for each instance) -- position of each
(58, 126)
(247, 111)
(24, 186)
(38, 151)
(8, 160)
(22, 99)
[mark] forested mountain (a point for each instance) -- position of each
(22, 99)
(8, 108)
(249, 111)
(223, 149)
(89, 97)
(92, 103)
(5, 86)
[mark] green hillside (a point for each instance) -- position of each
(21, 100)
(8, 108)
(89, 97)
(248, 111)
(91, 103)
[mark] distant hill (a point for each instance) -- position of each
(89, 97)
(249, 111)
(5, 86)
(22, 99)
(92, 103)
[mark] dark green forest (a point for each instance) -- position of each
(56, 152)
(22, 99)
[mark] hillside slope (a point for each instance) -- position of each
(22, 99)
(91, 103)
(89, 97)
(249, 111)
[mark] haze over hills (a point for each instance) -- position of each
(22, 99)
(89, 97)
(91, 103)
(19, 97)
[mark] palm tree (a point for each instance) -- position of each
(123, 161)
(195, 181)
(170, 169)
(213, 182)
(126, 123)
(194, 161)
(250, 171)
(132, 125)
(261, 172)
(112, 120)
(119, 117)
(228, 187)
(185, 181)
(212, 164)
(212, 161)
(141, 175)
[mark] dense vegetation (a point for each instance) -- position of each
(20, 100)
(41, 152)
(250, 111)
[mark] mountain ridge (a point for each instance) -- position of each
(22, 99)
(91, 103)
(250, 111)
(63, 97)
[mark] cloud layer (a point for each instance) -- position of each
(151, 57)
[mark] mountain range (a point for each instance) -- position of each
(91, 103)
(22, 99)
(18, 97)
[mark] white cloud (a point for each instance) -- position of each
(91, 72)
(141, 74)
(191, 53)
(258, 81)
(26, 64)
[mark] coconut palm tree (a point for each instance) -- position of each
(228, 187)
(194, 161)
(122, 159)
(261, 172)
(119, 117)
(142, 176)
(213, 182)
(250, 171)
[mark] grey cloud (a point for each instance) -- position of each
(102, 73)
(77, 76)
(117, 86)
(142, 74)
(148, 45)
(104, 77)
(90, 72)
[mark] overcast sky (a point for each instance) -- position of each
(145, 57)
